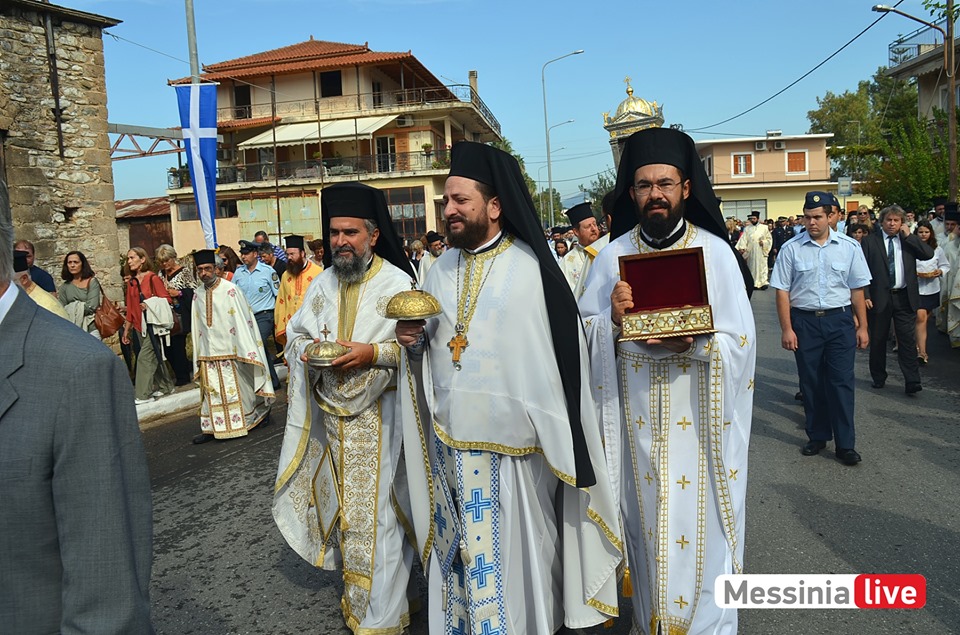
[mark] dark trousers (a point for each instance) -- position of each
(177, 356)
(130, 352)
(265, 324)
(905, 327)
(826, 350)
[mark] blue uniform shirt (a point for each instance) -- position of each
(260, 286)
(820, 276)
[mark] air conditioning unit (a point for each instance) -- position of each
(405, 121)
(779, 145)
(760, 145)
(225, 154)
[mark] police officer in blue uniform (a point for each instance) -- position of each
(820, 278)
(259, 283)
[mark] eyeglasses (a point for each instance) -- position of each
(644, 189)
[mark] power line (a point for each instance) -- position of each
(799, 79)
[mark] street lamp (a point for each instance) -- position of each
(546, 125)
(949, 67)
(540, 182)
(549, 171)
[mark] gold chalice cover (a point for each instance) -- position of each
(414, 304)
(322, 354)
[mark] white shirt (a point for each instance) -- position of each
(900, 283)
(6, 300)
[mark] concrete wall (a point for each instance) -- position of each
(59, 204)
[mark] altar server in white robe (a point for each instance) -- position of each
(576, 264)
(345, 414)
(754, 244)
(511, 506)
(675, 412)
(235, 386)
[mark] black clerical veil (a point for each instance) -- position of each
(672, 147)
(357, 200)
(499, 170)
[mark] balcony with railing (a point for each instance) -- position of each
(915, 44)
(373, 103)
(776, 176)
(333, 169)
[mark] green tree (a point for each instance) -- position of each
(914, 168)
(859, 120)
(605, 182)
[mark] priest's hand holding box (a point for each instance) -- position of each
(668, 293)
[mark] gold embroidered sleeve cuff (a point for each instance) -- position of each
(386, 354)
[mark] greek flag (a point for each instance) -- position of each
(198, 119)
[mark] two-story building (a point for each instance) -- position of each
(919, 55)
(769, 174)
(301, 117)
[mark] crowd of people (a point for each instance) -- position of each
(521, 442)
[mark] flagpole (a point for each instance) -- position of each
(192, 44)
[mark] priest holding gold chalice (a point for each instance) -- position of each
(340, 459)
(672, 351)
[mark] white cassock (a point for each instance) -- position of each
(425, 263)
(755, 241)
(950, 245)
(235, 386)
(497, 463)
(576, 264)
(352, 415)
(681, 423)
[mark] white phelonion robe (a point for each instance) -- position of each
(676, 430)
(352, 414)
(558, 559)
(756, 241)
(235, 385)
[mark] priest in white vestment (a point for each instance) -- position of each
(754, 245)
(511, 507)
(344, 414)
(949, 318)
(235, 386)
(435, 247)
(675, 412)
(576, 264)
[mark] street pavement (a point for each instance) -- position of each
(222, 568)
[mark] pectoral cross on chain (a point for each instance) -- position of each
(456, 345)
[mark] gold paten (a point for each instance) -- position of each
(414, 304)
(681, 322)
(322, 354)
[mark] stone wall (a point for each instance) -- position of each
(59, 204)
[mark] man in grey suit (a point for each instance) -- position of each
(75, 510)
(894, 293)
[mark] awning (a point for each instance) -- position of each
(295, 134)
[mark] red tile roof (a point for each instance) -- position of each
(312, 55)
(157, 206)
(238, 124)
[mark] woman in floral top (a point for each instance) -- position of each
(180, 284)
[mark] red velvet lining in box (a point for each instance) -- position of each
(665, 280)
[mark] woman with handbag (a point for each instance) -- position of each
(80, 294)
(180, 284)
(153, 378)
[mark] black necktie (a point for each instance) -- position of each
(891, 263)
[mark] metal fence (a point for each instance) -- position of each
(915, 44)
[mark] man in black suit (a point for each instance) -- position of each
(892, 257)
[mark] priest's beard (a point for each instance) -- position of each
(659, 226)
(349, 265)
(294, 267)
(210, 281)
(472, 234)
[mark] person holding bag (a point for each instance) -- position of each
(153, 378)
(180, 284)
(80, 294)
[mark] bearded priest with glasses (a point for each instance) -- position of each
(675, 411)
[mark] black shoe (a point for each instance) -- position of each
(202, 438)
(798, 396)
(848, 457)
(765, 287)
(812, 448)
(913, 388)
(878, 384)
(265, 421)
